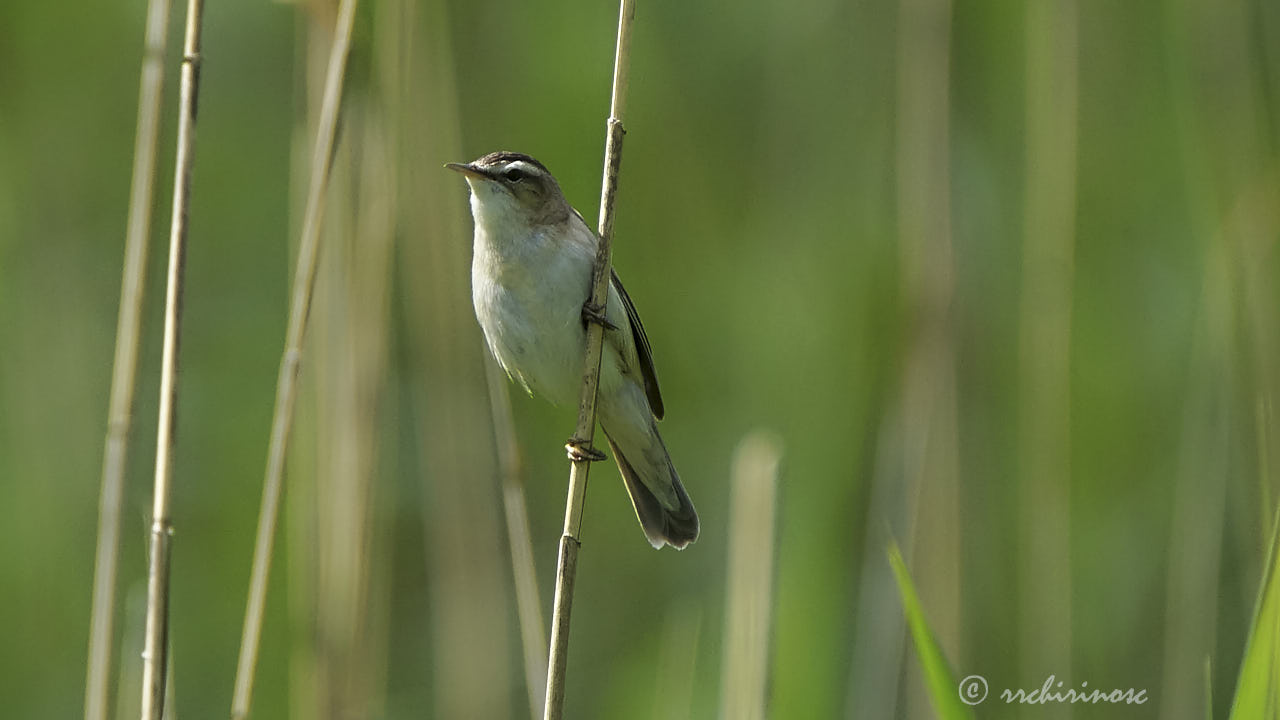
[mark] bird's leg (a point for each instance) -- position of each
(581, 451)
(596, 314)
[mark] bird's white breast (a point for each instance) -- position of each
(528, 288)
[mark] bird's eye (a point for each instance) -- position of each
(513, 175)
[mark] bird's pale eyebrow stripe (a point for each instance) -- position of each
(523, 167)
(504, 156)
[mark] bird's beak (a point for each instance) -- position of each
(469, 170)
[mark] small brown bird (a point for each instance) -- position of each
(530, 273)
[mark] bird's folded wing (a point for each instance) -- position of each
(643, 351)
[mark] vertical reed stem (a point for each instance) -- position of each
(533, 636)
(930, 454)
(567, 566)
(749, 588)
(1044, 416)
(125, 366)
(155, 648)
(290, 362)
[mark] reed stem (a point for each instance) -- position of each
(156, 643)
(749, 588)
(533, 635)
(567, 565)
(291, 361)
(125, 365)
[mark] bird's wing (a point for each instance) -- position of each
(643, 351)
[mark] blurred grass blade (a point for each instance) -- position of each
(533, 634)
(941, 683)
(468, 603)
(928, 394)
(1264, 425)
(1208, 687)
(290, 362)
(749, 596)
(879, 637)
(1258, 686)
(678, 659)
(1044, 338)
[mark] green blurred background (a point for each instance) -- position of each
(1000, 278)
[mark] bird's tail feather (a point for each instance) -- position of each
(676, 526)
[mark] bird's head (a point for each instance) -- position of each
(513, 189)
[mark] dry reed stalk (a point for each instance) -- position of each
(533, 634)
(1264, 427)
(348, 344)
(584, 433)
(156, 645)
(129, 705)
(370, 250)
(468, 596)
(1044, 598)
(125, 365)
(290, 363)
(929, 434)
(879, 633)
(749, 592)
(310, 454)
(1233, 260)
(1259, 217)
(1200, 492)
(1222, 175)
(300, 514)
(1185, 629)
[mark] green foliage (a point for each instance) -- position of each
(1258, 687)
(942, 686)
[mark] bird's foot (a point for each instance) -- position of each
(596, 314)
(581, 451)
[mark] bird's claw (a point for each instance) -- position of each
(581, 451)
(596, 314)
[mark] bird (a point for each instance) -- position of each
(531, 270)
